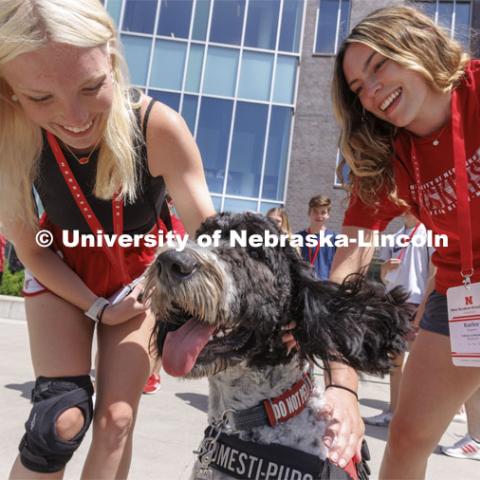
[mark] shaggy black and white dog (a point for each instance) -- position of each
(221, 312)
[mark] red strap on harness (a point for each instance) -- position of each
(290, 403)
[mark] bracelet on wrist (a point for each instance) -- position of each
(97, 308)
(341, 387)
(100, 314)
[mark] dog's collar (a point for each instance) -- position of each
(273, 411)
(249, 460)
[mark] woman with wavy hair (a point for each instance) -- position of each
(407, 98)
(72, 128)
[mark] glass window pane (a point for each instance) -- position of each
(114, 8)
(262, 24)
(277, 153)
(428, 7)
(344, 21)
(168, 63)
(200, 21)
(137, 54)
(189, 110)
(140, 16)
(266, 206)
(194, 71)
(227, 21)
(212, 138)
(445, 12)
(285, 76)
(247, 149)
(221, 71)
(462, 24)
(217, 203)
(175, 18)
(291, 25)
(168, 98)
(256, 75)
(327, 26)
(236, 205)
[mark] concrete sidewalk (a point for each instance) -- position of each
(170, 423)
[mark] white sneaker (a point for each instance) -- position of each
(466, 447)
(381, 420)
(460, 417)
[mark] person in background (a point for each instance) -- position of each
(153, 382)
(321, 255)
(280, 217)
(409, 267)
(3, 242)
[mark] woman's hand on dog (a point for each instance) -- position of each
(126, 309)
(345, 427)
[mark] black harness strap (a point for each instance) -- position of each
(250, 461)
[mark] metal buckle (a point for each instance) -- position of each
(207, 446)
(467, 278)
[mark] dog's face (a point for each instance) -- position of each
(219, 306)
(225, 304)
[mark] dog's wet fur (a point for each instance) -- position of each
(247, 296)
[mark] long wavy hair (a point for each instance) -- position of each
(410, 38)
(25, 26)
(282, 213)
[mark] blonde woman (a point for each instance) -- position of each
(280, 217)
(100, 156)
(407, 98)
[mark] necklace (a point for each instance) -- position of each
(82, 160)
(436, 140)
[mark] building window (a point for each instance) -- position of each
(345, 172)
(332, 26)
(230, 68)
(454, 15)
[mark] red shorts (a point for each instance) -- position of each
(351, 469)
(93, 265)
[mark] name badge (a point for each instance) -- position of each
(464, 324)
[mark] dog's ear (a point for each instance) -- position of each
(355, 323)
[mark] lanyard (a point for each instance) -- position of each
(461, 189)
(412, 233)
(317, 249)
(86, 210)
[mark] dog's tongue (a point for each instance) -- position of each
(183, 346)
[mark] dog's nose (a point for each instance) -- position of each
(179, 264)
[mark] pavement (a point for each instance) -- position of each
(170, 423)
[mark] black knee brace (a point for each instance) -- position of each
(41, 450)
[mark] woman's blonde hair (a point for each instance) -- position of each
(25, 26)
(281, 212)
(411, 39)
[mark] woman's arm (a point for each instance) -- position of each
(173, 154)
(345, 427)
(352, 259)
(429, 288)
(59, 278)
